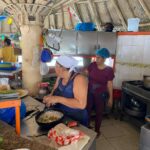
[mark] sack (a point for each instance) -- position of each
(44, 69)
(85, 26)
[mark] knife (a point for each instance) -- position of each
(31, 115)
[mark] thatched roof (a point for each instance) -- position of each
(57, 13)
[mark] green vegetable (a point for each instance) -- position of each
(8, 92)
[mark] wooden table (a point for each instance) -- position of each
(7, 103)
(30, 129)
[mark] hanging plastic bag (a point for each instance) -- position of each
(44, 69)
(46, 55)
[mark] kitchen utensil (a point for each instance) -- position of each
(31, 115)
(37, 135)
(134, 113)
(52, 123)
(146, 80)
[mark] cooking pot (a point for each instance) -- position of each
(50, 124)
(146, 80)
(134, 113)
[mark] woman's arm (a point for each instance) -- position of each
(80, 95)
(110, 91)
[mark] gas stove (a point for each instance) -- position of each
(135, 101)
(137, 88)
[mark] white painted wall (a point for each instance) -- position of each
(132, 58)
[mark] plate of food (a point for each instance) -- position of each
(6, 92)
(22, 92)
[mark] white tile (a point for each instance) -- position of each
(124, 143)
(146, 51)
(104, 145)
(138, 40)
(112, 131)
(118, 135)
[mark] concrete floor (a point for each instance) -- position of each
(117, 135)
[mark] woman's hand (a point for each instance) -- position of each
(110, 102)
(49, 100)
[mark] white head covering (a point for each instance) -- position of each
(68, 62)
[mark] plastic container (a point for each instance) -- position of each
(133, 24)
(144, 137)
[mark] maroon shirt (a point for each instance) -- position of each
(98, 78)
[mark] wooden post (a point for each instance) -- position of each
(30, 43)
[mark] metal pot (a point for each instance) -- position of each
(134, 113)
(146, 80)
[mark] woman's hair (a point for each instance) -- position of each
(7, 41)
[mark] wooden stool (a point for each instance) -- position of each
(13, 103)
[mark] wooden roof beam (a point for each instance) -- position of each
(145, 8)
(77, 11)
(62, 2)
(63, 17)
(119, 14)
(95, 1)
(94, 14)
(3, 4)
(144, 24)
(54, 20)
(56, 7)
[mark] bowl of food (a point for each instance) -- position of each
(49, 118)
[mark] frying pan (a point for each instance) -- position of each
(51, 124)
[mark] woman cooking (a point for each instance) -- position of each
(100, 86)
(70, 90)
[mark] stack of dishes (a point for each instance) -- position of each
(7, 94)
(7, 66)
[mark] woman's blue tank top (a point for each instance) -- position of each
(80, 115)
(65, 91)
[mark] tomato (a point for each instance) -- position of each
(72, 124)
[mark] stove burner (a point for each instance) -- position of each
(143, 87)
(135, 101)
(137, 82)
